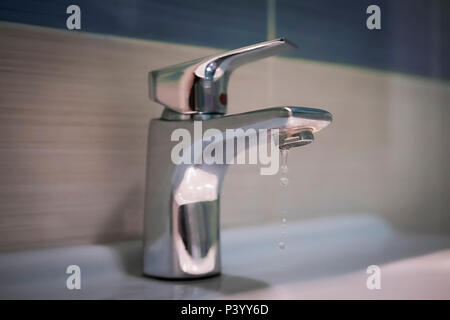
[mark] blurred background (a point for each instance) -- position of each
(74, 111)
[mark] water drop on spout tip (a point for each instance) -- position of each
(281, 245)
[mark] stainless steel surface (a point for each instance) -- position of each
(181, 217)
(200, 86)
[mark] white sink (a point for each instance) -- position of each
(324, 258)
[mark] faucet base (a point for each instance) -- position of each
(190, 246)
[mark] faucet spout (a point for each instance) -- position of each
(288, 118)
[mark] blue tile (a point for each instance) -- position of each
(222, 24)
(414, 37)
(411, 39)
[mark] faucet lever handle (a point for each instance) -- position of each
(200, 86)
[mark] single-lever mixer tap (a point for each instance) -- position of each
(181, 218)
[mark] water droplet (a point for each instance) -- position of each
(284, 157)
(284, 181)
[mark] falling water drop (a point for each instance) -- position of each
(284, 181)
(283, 161)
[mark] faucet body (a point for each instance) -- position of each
(182, 201)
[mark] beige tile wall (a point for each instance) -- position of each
(73, 123)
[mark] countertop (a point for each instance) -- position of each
(323, 258)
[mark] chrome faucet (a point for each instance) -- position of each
(181, 218)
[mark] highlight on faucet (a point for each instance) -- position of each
(231, 158)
